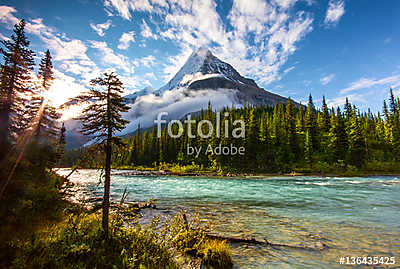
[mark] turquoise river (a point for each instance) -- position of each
(346, 217)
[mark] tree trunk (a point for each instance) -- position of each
(106, 199)
(108, 149)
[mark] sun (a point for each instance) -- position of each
(60, 92)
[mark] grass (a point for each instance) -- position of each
(79, 242)
(42, 230)
(216, 254)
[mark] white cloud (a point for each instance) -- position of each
(339, 101)
(287, 70)
(65, 50)
(126, 39)
(109, 58)
(7, 17)
(150, 75)
(261, 36)
(177, 103)
(335, 12)
(60, 46)
(101, 27)
(125, 7)
(146, 31)
(365, 83)
(327, 79)
(147, 61)
(257, 36)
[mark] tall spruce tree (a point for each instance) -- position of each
(337, 137)
(394, 122)
(356, 141)
(15, 81)
(101, 120)
(61, 142)
(310, 143)
(291, 131)
(44, 114)
(326, 121)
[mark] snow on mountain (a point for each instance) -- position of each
(203, 64)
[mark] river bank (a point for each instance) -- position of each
(155, 172)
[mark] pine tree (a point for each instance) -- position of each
(394, 121)
(61, 142)
(15, 81)
(40, 109)
(251, 139)
(356, 142)
(265, 157)
(101, 119)
(291, 131)
(310, 144)
(338, 138)
(325, 117)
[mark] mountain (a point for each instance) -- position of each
(203, 70)
(202, 79)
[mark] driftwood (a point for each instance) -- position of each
(125, 208)
(238, 239)
(124, 195)
(73, 170)
(318, 246)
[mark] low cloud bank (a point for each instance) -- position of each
(177, 102)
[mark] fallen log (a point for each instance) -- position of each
(318, 246)
(238, 240)
(73, 170)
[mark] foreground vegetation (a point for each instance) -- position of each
(40, 227)
(79, 241)
(43, 230)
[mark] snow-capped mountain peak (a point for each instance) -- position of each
(202, 64)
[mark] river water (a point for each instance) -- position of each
(358, 216)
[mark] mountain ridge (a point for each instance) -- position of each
(203, 70)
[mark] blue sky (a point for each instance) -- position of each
(293, 48)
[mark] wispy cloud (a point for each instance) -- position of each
(125, 7)
(327, 79)
(7, 17)
(101, 27)
(341, 100)
(287, 70)
(148, 61)
(335, 12)
(146, 31)
(365, 83)
(126, 39)
(109, 58)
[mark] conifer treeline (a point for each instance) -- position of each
(279, 138)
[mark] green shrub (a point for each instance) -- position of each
(190, 237)
(217, 254)
(183, 235)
